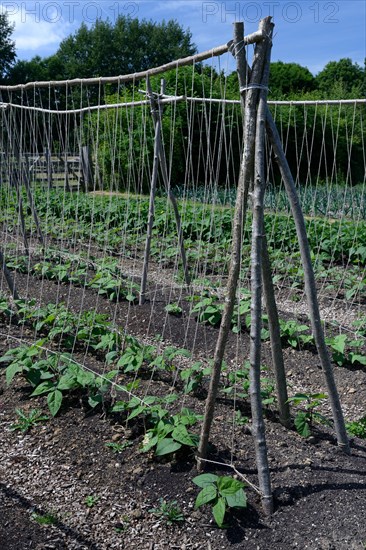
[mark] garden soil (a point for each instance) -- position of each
(61, 487)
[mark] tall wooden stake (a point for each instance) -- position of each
(249, 98)
(25, 178)
(8, 277)
(87, 168)
(150, 220)
(48, 157)
(262, 56)
(16, 183)
(160, 158)
(275, 337)
(310, 286)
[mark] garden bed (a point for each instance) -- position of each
(62, 486)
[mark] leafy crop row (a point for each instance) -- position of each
(122, 222)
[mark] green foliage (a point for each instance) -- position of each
(345, 351)
(169, 433)
(118, 447)
(238, 383)
(7, 45)
(125, 46)
(307, 414)
(54, 375)
(292, 333)
(105, 48)
(36, 69)
(240, 420)
(221, 492)
(134, 134)
(209, 310)
(287, 78)
(335, 241)
(194, 376)
(91, 500)
(44, 519)
(168, 511)
(27, 420)
(350, 76)
(173, 309)
(360, 326)
(357, 427)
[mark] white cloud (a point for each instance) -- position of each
(35, 29)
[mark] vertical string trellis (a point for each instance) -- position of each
(122, 140)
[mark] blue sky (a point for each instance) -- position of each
(308, 32)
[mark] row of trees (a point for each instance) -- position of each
(131, 45)
(322, 143)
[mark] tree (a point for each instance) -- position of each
(128, 46)
(342, 77)
(7, 46)
(288, 78)
(36, 70)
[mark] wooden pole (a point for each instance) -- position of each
(8, 277)
(151, 214)
(66, 170)
(310, 286)
(249, 98)
(16, 183)
(173, 200)
(275, 336)
(26, 180)
(133, 77)
(47, 155)
(262, 58)
(156, 111)
(87, 168)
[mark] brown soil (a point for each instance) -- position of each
(320, 493)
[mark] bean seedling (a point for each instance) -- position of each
(221, 492)
(167, 511)
(27, 421)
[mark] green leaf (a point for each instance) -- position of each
(206, 495)
(219, 511)
(119, 406)
(356, 358)
(11, 371)
(34, 376)
(166, 446)
(44, 387)
(188, 417)
(298, 398)
(138, 410)
(149, 442)
(111, 357)
(181, 434)
(85, 378)
(339, 343)
(204, 480)
(95, 400)
(237, 500)
(54, 401)
(302, 424)
(228, 485)
(67, 382)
